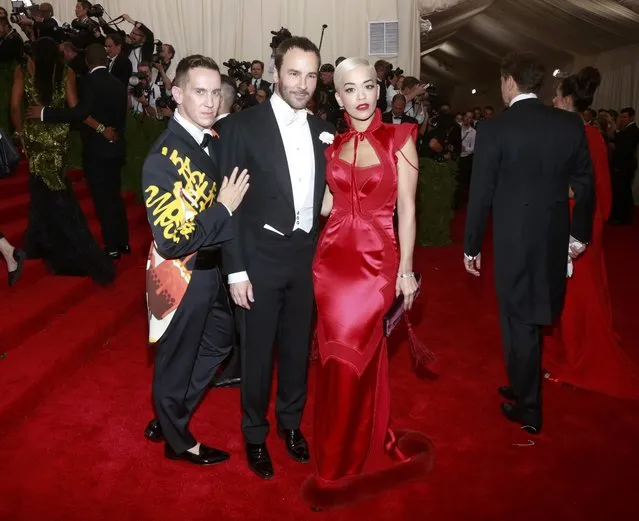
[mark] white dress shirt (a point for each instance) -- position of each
(468, 135)
(300, 157)
(519, 97)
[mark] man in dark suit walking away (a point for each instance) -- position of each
(527, 161)
(105, 98)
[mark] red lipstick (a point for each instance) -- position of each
(363, 106)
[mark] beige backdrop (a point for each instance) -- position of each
(240, 29)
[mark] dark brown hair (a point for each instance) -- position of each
(296, 42)
(526, 69)
(194, 61)
(581, 87)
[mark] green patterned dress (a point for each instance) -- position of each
(57, 232)
(46, 144)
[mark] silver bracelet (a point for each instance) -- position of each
(406, 275)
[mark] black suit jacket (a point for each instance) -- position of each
(176, 162)
(625, 155)
(387, 117)
(264, 84)
(269, 199)
(122, 69)
(105, 98)
(525, 161)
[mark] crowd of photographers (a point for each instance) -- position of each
(144, 65)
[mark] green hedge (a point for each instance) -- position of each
(435, 191)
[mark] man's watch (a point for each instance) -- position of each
(100, 129)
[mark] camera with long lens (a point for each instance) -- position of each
(391, 73)
(279, 36)
(21, 7)
(239, 71)
(135, 81)
(157, 56)
(166, 101)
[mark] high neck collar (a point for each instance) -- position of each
(375, 123)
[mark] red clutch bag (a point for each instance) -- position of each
(396, 311)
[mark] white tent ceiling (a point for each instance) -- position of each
(469, 37)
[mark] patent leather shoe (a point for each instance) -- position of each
(507, 392)
(259, 460)
(126, 249)
(207, 455)
(226, 382)
(19, 256)
(296, 444)
(153, 431)
(530, 420)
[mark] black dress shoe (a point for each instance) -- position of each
(296, 444)
(207, 455)
(507, 392)
(112, 254)
(19, 256)
(153, 432)
(259, 460)
(126, 249)
(226, 382)
(530, 420)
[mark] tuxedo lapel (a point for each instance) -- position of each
(320, 163)
(274, 150)
(205, 163)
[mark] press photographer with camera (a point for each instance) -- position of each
(161, 61)
(38, 21)
(84, 31)
(143, 93)
(139, 45)
(392, 78)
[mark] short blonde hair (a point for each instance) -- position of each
(346, 66)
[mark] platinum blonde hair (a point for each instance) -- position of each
(349, 64)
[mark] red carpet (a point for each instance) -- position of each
(75, 399)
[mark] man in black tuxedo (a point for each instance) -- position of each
(257, 70)
(191, 212)
(269, 263)
(624, 165)
(105, 98)
(119, 65)
(396, 114)
(526, 160)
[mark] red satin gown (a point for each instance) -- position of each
(354, 275)
(583, 349)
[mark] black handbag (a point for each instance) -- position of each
(9, 155)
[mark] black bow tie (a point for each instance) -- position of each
(206, 141)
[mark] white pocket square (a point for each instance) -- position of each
(271, 229)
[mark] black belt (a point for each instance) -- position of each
(208, 259)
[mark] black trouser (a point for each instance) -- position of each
(463, 181)
(622, 200)
(104, 177)
(198, 339)
(522, 355)
(282, 314)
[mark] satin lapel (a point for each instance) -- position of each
(202, 161)
(273, 148)
(320, 161)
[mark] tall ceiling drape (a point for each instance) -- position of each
(240, 29)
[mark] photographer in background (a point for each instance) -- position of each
(381, 68)
(257, 70)
(392, 77)
(39, 22)
(161, 60)
(144, 94)
(138, 45)
(11, 44)
(119, 64)
(86, 30)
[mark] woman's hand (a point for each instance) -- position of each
(408, 287)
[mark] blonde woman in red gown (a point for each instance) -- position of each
(357, 273)
(583, 349)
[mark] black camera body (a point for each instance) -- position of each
(135, 82)
(95, 11)
(166, 101)
(18, 8)
(157, 58)
(391, 73)
(279, 36)
(239, 71)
